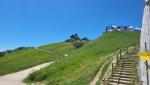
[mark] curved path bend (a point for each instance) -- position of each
(18, 77)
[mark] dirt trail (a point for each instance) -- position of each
(18, 77)
(99, 73)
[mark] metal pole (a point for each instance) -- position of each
(146, 64)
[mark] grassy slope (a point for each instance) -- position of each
(82, 64)
(20, 60)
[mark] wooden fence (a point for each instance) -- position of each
(115, 60)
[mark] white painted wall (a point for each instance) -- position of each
(145, 37)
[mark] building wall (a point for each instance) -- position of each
(120, 28)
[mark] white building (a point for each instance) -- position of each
(121, 28)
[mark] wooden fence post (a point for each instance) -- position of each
(127, 51)
(120, 53)
(117, 59)
(112, 69)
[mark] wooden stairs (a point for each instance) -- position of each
(125, 72)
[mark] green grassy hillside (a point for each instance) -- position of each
(82, 64)
(19, 60)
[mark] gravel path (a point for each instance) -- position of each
(18, 77)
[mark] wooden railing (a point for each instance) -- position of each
(115, 60)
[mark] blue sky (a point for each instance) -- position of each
(38, 22)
